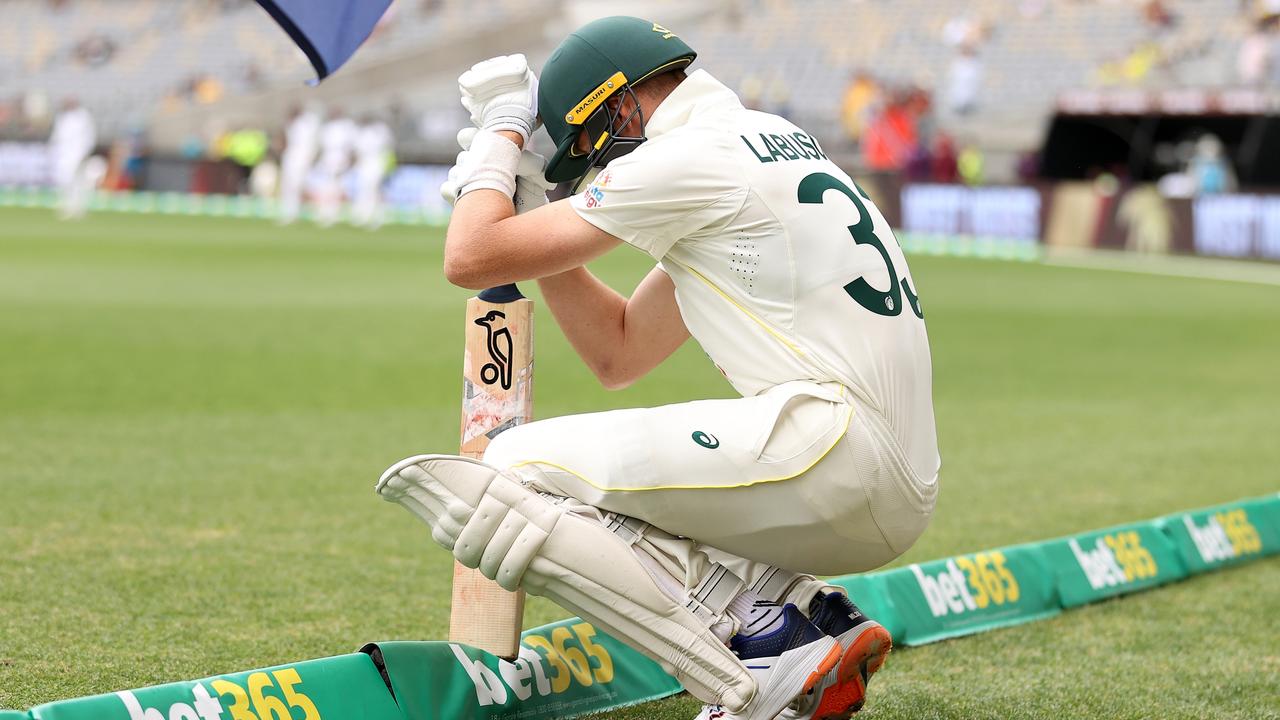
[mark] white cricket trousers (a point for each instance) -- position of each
(801, 477)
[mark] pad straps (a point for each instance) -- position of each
(710, 598)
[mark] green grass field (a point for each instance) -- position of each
(193, 413)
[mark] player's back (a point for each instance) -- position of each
(784, 269)
(856, 315)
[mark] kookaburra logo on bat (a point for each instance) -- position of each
(498, 370)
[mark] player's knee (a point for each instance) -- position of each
(506, 449)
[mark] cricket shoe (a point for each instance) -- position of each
(864, 643)
(787, 662)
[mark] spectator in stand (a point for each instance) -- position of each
(337, 137)
(964, 80)
(970, 164)
(207, 89)
(246, 147)
(1209, 169)
(859, 101)
(1254, 57)
(943, 166)
(1158, 17)
(95, 50)
(301, 141)
(920, 105)
(891, 138)
(373, 147)
(70, 144)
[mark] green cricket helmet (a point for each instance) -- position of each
(596, 62)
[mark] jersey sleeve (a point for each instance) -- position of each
(658, 195)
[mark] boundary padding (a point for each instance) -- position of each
(569, 668)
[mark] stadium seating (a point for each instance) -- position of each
(795, 56)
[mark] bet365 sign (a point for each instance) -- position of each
(1227, 535)
(966, 593)
(1101, 564)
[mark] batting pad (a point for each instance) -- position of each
(519, 538)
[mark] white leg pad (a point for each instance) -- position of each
(519, 538)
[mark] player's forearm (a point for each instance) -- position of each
(486, 245)
(473, 256)
(592, 316)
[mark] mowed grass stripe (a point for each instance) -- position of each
(194, 411)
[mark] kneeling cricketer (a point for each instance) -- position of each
(692, 532)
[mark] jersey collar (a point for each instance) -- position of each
(698, 94)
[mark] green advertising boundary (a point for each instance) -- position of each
(568, 668)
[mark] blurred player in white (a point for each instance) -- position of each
(301, 138)
(337, 140)
(70, 144)
(693, 531)
(373, 146)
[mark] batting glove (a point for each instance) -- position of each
(488, 161)
(501, 94)
(530, 184)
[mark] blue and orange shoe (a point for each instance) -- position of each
(864, 644)
(788, 662)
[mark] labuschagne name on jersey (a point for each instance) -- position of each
(967, 583)
(1115, 559)
(772, 147)
(1224, 536)
(545, 666)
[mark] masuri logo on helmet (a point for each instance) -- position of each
(596, 62)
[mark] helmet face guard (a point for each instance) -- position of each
(603, 127)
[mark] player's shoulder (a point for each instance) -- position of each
(689, 141)
(688, 152)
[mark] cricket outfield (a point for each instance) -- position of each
(193, 413)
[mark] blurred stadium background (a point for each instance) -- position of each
(193, 408)
(1108, 123)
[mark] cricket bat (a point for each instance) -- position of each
(497, 379)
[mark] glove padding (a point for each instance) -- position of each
(489, 162)
(530, 184)
(501, 93)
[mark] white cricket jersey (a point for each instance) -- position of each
(301, 139)
(73, 135)
(336, 140)
(373, 142)
(784, 270)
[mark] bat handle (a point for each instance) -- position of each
(501, 294)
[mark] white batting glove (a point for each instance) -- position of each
(488, 161)
(501, 94)
(531, 185)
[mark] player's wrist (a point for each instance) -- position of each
(489, 163)
(513, 135)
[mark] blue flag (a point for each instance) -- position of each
(328, 31)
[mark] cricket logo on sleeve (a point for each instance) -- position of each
(593, 196)
(499, 345)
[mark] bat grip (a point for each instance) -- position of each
(501, 294)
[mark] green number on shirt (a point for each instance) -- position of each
(881, 302)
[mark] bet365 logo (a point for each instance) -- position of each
(545, 666)
(1115, 559)
(967, 583)
(262, 697)
(1224, 536)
